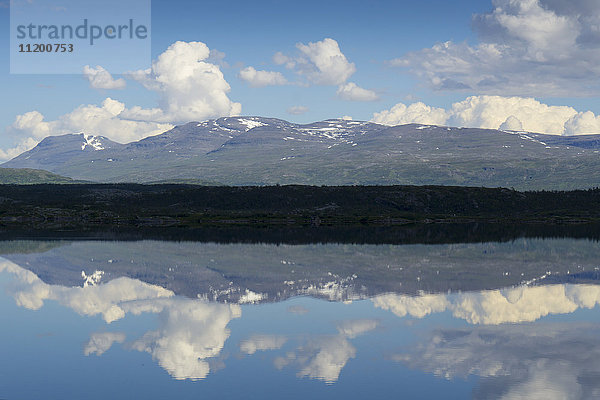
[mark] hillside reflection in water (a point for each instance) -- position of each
(269, 320)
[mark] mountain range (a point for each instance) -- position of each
(268, 151)
(228, 272)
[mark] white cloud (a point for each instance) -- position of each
(33, 123)
(30, 292)
(356, 327)
(261, 343)
(331, 355)
(418, 306)
(496, 112)
(281, 59)
(492, 307)
(418, 113)
(352, 92)
(190, 88)
(323, 63)
(262, 78)
(191, 331)
(583, 123)
(492, 111)
(100, 343)
(320, 358)
(297, 110)
(526, 48)
(324, 357)
(100, 78)
(512, 123)
(22, 146)
(530, 361)
(106, 120)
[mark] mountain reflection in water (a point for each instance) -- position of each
(517, 341)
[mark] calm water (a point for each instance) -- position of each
(164, 320)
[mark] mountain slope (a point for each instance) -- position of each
(263, 151)
(27, 176)
(224, 272)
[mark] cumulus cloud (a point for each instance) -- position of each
(352, 92)
(323, 63)
(320, 358)
(512, 123)
(550, 361)
(33, 123)
(100, 343)
(30, 292)
(297, 110)
(100, 78)
(418, 307)
(190, 88)
(496, 112)
(262, 78)
(583, 123)
(492, 307)
(525, 48)
(261, 343)
(191, 331)
(419, 113)
(324, 357)
(331, 355)
(22, 146)
(492, 111)
(105, 120)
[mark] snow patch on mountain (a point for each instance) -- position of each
(250, 123)
(251, 297)
(92, 141)
(92, 279)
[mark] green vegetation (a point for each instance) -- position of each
(28, 176)
(58, 207)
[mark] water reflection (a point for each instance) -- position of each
(542, 361)
(262, 343)
(324, 357)
(500, 336)
(492, 307)
(190, 331)
(30, 291)
(238, 273)
(101, 342)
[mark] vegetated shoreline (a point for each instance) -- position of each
(83, 207)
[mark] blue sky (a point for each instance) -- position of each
(494, 60)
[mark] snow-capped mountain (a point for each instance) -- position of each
(261, 151)
(55, 150)
(241, 273)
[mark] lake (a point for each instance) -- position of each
(164, 319)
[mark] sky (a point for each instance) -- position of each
(503, 64)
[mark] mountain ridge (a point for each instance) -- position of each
(28, 176)
(266, 151)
